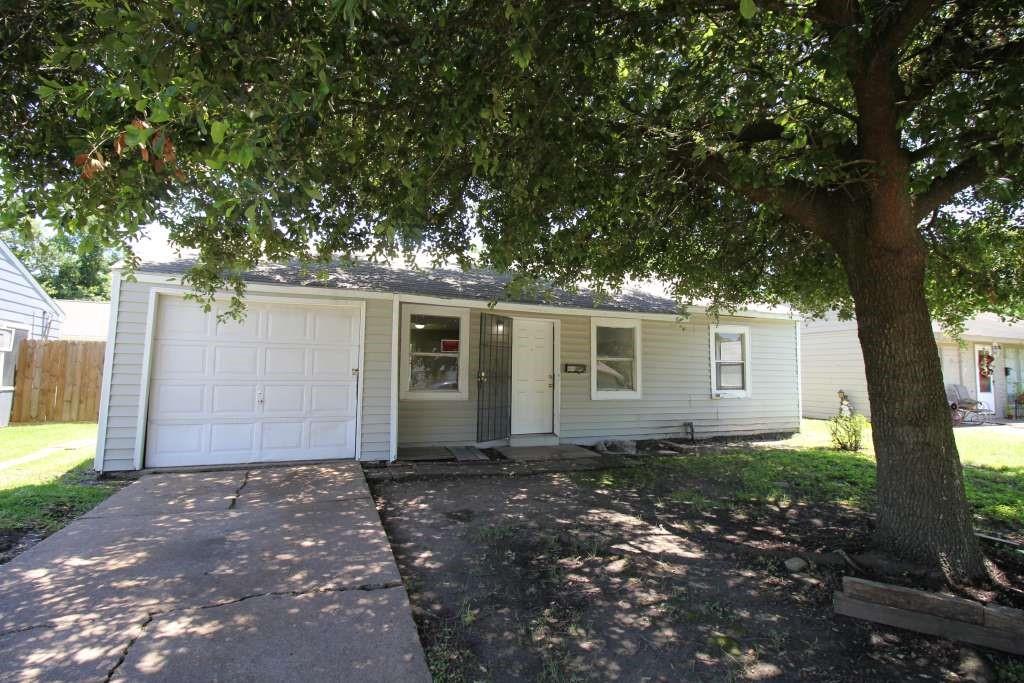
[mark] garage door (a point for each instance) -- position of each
(280, 385)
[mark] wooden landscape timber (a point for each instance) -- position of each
(948, 616)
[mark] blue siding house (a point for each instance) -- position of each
(26, 312)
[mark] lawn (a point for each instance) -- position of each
(805, 469)
(21, 440)
(42, 495)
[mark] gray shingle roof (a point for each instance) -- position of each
(480, 285)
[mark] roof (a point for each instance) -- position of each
(990, 327)
(84, 320)
(983, 327)
(480, 285)
(43, 296)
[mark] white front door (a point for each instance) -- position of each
(278, 386)
(533, 376)
(984, 365)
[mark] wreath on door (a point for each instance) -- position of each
(985, 365)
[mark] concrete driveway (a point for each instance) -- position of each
(267, 574)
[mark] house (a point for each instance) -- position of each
(987, 359)
(26, 312)
(359, 360)
(84, 320)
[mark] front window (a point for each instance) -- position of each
(615, 358)
(730, 360)
(434, 350)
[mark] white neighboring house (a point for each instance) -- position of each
(26, 312)
(365, 359)
(84, 320)
(988, 360)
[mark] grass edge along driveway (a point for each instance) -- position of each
(44, 494)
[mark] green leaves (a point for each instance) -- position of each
(137, 135)
(217, 131)
(556, 136)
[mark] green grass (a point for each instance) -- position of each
(20, 440)
(805, 469)
(46, 493)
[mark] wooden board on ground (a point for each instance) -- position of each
(948, 616)
(948, 606)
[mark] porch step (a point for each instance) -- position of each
(517, 440)
(467, 453)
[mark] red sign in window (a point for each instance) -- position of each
(449, 346)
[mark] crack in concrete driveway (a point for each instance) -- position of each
(260, 574)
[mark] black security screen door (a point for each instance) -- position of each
(494, 379)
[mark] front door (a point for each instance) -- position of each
(533, 377)
(494, 379)
(985, 371)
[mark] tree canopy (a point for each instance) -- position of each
(711, 144)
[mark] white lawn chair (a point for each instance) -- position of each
(963, 407)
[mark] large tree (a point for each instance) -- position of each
(858, 155)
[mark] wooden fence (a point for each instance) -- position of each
(58, 381)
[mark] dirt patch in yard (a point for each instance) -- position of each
(558, 578)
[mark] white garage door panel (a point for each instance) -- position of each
(278, 385)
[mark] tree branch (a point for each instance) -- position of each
(810, 207)
(962, 57)
(970, 172)
(889, 36)
(831, 14)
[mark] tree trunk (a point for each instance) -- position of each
(922, 507)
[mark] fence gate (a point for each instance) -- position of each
(58, 381)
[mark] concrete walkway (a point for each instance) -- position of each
(261, 575)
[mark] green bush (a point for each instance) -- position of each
(847, 431)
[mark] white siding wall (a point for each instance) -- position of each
(830, 360)
(22, 304)
(376, 376)
(676, 383)
(126, 377)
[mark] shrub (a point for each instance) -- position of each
(847, 431)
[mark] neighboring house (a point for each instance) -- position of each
(988, 360)
(84, 320)
(26, 312)
(367, 359)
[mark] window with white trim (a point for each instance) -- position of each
(435, 362)
(615, 358)
(730, 361)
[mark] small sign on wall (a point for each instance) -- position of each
(574, 368)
